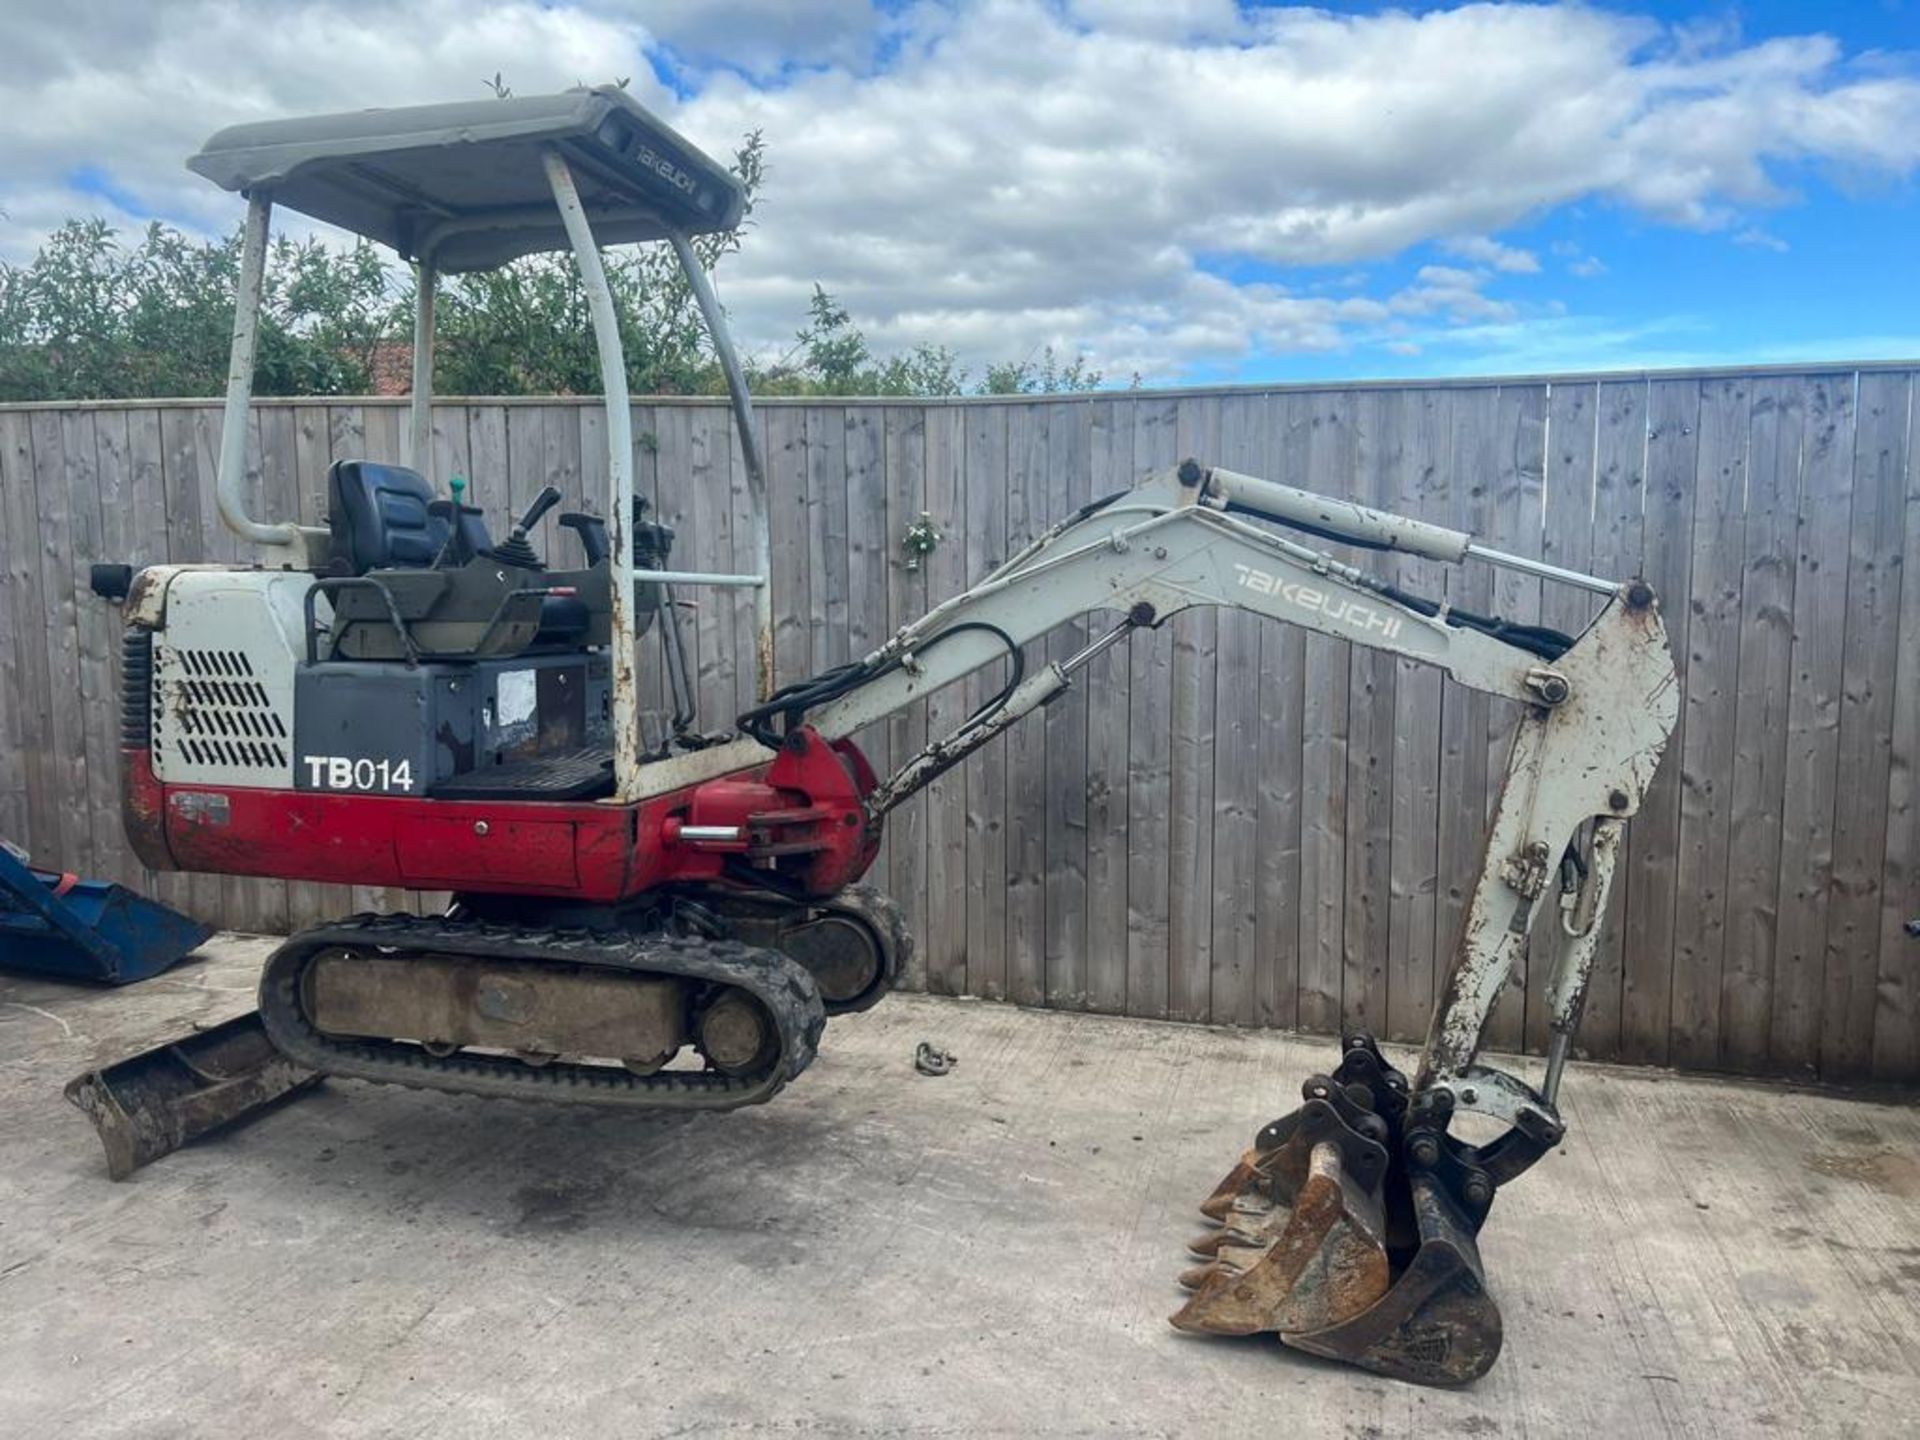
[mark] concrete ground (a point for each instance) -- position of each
(880, 1253)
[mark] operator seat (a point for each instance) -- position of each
(381, 519)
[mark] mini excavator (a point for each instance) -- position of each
(667, 922)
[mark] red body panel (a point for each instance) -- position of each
(801, 814)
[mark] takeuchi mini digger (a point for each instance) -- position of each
(402, 698)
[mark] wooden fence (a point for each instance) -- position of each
(1227, 821)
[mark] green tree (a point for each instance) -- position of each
(924, 370)
(837, 353)
(1048, 376)
(89, 318)
(833, 357)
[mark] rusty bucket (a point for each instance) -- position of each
(1350, 1234)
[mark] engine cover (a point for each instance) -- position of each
(223, 678)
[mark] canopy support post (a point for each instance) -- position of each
(231, 474)
(613, 384)
(420, 412)
(736, 377)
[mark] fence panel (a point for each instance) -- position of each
(1224, 820)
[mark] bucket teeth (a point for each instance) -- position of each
(1262, 1179)
(1195, 1276)
(1314, 1264)
(1207, 1245)
(1217, 1205)
(1255, 1221)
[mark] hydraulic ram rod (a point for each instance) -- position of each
(1324, 515)
(1040, 688)
(1363, 525)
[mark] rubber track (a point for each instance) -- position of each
(781, 984)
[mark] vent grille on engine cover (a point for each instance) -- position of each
(214, 712)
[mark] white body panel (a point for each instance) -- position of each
(223, 667)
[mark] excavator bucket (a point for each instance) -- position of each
(1344, 1246)
(151, 1104)
(1303, 1243)
(1435, 1324)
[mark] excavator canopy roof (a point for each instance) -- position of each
(463, 183)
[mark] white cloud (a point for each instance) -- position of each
(1002, 174)
(1761, 239)
(130, 89)
(1446, 290)
(762, 36)
(1485, 250)
(1586, 267)
(1163, 19)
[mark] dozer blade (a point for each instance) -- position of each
(152, 1103)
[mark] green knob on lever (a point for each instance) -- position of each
(459, 486)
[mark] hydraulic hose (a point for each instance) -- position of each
(790, 703)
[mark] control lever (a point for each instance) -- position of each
(542, 503)
(593, 534)
(466, 532)
(516, 550)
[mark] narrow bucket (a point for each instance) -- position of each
(1436, 1324)
(1306, 1256)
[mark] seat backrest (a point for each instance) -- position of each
(379, 517)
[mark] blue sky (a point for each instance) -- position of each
(1832, 273)
(1191, 189)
